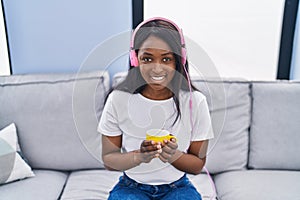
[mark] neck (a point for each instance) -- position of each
(162, 94)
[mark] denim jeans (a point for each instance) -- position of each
(128, 189)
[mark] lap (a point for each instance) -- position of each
(183, 193)
(127, 188)
(126, 193)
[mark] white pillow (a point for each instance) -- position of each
(12, 166)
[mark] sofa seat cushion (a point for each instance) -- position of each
(45, 185)
(96, 184)
(90, 184)
(258, 185)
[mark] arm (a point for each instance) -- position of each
(194, 160)
(190, 162)
(114, 159)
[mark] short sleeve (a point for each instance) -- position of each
(202, 126)
(108, 124)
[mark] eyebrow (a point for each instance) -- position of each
(164, 54)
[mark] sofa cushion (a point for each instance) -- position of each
(230, 108)
(12, 166)
(56, 116)
(90, 184)
(96, 184)
(46, 185)
(274, 135)
(258, 185)
(204, 185)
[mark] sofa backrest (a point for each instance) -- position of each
(275, 128)
(229, 103)
(56, 117)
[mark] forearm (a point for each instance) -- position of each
(187, 162)
(120, 161)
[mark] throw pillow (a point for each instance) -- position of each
(12, 166)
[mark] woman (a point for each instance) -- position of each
(156, 94)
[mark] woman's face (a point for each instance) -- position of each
(157, 63)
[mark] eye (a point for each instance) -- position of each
(146, 59)
(167, 59)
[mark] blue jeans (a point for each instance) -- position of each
(128, 189)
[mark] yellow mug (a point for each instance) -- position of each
(159, 135)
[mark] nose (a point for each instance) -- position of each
(157, 68)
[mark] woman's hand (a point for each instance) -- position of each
(148, 150)
(169, 150)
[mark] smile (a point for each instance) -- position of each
(158, 78)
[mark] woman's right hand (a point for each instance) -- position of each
(148, 150)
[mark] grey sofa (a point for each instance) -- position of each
(254, 155)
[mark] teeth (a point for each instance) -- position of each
(158, 78)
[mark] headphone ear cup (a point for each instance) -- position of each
(133, 58)
(183, 56)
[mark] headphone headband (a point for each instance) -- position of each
(133, 57)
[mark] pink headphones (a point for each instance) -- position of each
(133, 57)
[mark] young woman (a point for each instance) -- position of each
(156, 94)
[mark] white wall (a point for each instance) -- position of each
(57, 36)
(242, 38)
(4, 60)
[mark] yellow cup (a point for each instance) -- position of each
(158, 135)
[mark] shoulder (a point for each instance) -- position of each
(199, 96)
(196, 96)
(117, 96)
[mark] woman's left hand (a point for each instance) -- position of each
(168, 151)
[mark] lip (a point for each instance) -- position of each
(158, 78)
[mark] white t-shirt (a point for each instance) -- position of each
(131, 115)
